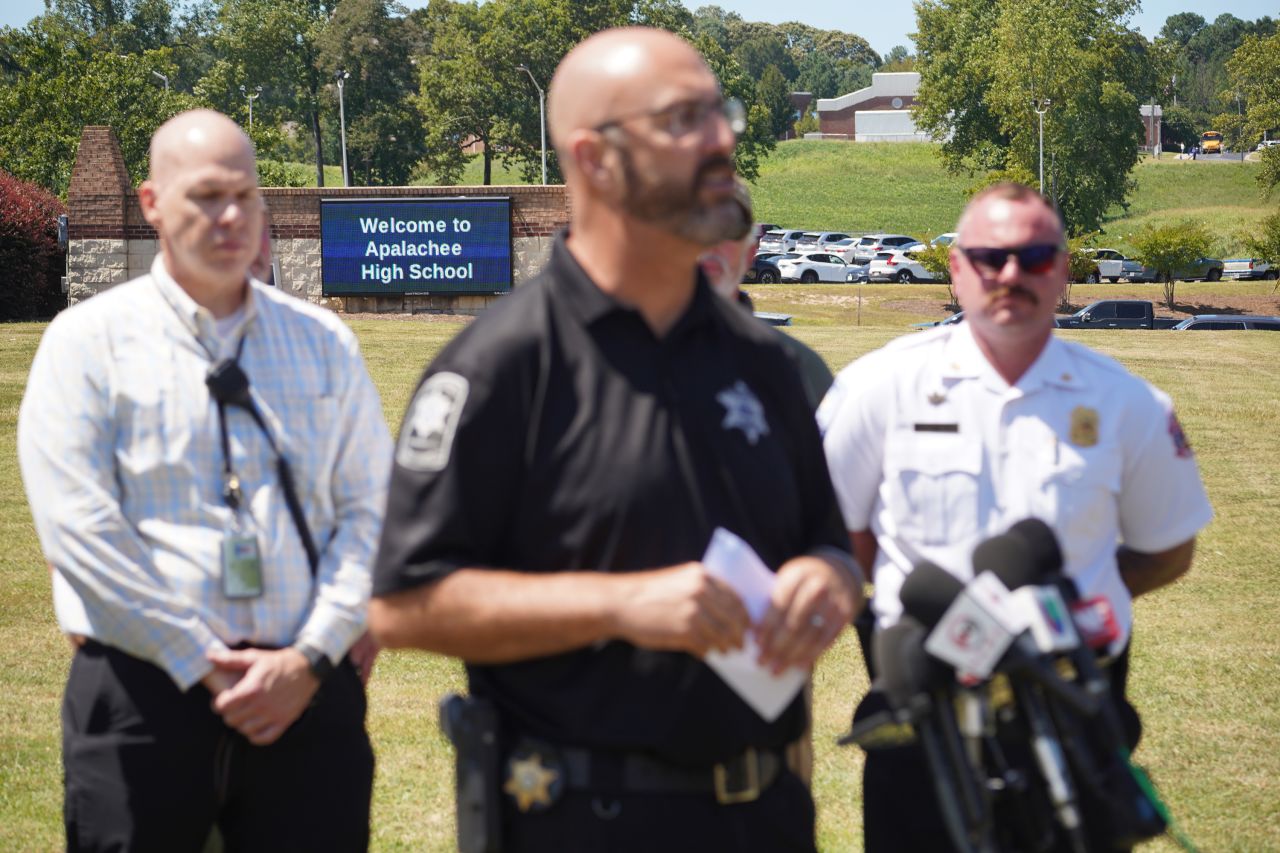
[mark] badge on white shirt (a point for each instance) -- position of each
(241, 561)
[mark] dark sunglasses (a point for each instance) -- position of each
(1033, 259)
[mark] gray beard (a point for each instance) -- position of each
(678, 211)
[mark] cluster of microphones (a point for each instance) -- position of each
(999, 682)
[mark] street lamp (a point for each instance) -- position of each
(542, 117)
(1041, 106)
(164, 78)
(251, 97)
(340, 77)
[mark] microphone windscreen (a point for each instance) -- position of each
(927, 592)
(905, 668)
(1007, 557)
(1046, 552)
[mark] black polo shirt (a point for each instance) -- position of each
(558, 433)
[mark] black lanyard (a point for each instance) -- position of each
(229, 386)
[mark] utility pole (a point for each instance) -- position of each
(1041, 106)
(251, 97)
(542, 117)
(341, 76)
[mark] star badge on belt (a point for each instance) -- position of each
(1084, 426)
(530, 782)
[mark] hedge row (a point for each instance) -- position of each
(31, 264)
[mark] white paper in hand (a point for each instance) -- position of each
(733, 561)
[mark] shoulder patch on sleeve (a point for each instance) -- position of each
(427, 436)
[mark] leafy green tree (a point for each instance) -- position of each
(272, 44)
(759, 52)
(1265, 244)
(773, 93)
(826, 77)
(1177, 127)
(982, 63)
(1255, 70)
(124, 26)
(898, 59)
(58, 82)
(758, 140)
(385, 138)
(1169, 248)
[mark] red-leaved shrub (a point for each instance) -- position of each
(31, 264)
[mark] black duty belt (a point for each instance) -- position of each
(740, 780)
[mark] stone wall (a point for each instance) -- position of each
(110, 242)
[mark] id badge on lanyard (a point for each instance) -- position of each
(241, 557)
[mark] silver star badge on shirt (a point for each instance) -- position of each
(742, 410)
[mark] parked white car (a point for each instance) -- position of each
(780, 240)
(845, 249)
(872, 244)
(901, 266)
(819, 241)
(813, 267)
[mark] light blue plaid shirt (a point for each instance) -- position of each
(121, 456)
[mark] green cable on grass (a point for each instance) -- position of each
(1149, 788)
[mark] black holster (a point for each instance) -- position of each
(471, 724)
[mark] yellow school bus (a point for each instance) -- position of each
(1211, 142)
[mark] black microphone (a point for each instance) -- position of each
(919, 689)
(1046, 553)
(1099, 754)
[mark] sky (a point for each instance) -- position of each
(883, 24)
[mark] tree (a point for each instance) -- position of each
(60, 80)
(1253, 68)
(1169, 248)
(759, 52)
(773, 93)
(272, 44)
(1266, 243)
(1177, 127)
(982, 63)
(758, 140)
(385, 137)
(898, 59)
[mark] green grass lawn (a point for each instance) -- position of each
(1206, 651)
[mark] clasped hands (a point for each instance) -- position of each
(261, 692)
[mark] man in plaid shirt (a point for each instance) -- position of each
(212, 607)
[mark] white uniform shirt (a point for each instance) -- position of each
(121, 456)
(932, 451)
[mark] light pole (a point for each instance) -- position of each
(1041, 106)
(164, 78)
(251, 97)
(340, 77)
(542, 117)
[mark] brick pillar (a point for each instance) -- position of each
(97, 256)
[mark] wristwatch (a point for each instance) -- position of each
(317, 661)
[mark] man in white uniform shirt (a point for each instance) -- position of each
(210, 549)
(941, 440)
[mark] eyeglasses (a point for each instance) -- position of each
(1035, 259)
(685, 117)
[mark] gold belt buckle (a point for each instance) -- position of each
(750, 793)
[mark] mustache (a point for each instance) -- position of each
(1012, 290)
(716, 162)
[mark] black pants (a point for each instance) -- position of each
(780, 821)
(900, 809)
(148, 767)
